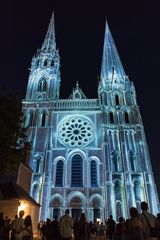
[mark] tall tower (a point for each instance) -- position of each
(44, 79)
(87, 155)
(129, 175)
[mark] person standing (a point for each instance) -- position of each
(111, 228)
(27, 232)
(55, 229)
(66, 226)
(19, 226)
(2, 225)
(150, 223)
(134, 227)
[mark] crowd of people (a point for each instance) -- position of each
(140, 226)
(17, 229)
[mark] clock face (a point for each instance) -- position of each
(76, 131)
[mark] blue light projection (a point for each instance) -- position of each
(87, 154)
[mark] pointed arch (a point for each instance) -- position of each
(42, 84)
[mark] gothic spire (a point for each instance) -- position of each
(49, 43)
(111, 70)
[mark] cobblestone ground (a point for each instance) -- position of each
(36, 237)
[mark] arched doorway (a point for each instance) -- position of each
(97, 206)
(55, 205)
(76, 202)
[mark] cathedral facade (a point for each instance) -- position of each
(88, 155)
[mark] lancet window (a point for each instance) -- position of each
(111, 117)
(77, 171)
(93, 173)
(126, 117)
(132, 160)
(59, 174)
(42, 85)
(43, 119)
(117, 99)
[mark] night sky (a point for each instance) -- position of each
(135, 26)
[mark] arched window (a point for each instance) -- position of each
(93, 173)
(52, 63)
(59, 174)
(30, 120)
(43, 120)
(137, 190)
(117, 99)
(118, 190)
(111, 117)
(126, 117)
(42, 85)
(77, 171)
(38, 161)
(45, 63)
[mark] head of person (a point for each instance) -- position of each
(82, 217)
(144, 206)
(21, 213)
(16, 216)
(27, 221)
(121, 220)
(133, 212)
(67, 212)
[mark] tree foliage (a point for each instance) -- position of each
(11, 151)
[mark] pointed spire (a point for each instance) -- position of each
(111, 70)
(50, 42)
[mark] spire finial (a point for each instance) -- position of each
(50, 42)
(77, 84)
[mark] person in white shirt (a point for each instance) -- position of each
(18, 226)
(66, 226)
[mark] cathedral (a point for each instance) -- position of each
(88, 155)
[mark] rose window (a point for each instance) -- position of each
(76, 131)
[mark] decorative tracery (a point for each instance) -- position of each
(76, 131)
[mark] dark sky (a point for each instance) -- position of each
(135, 26)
